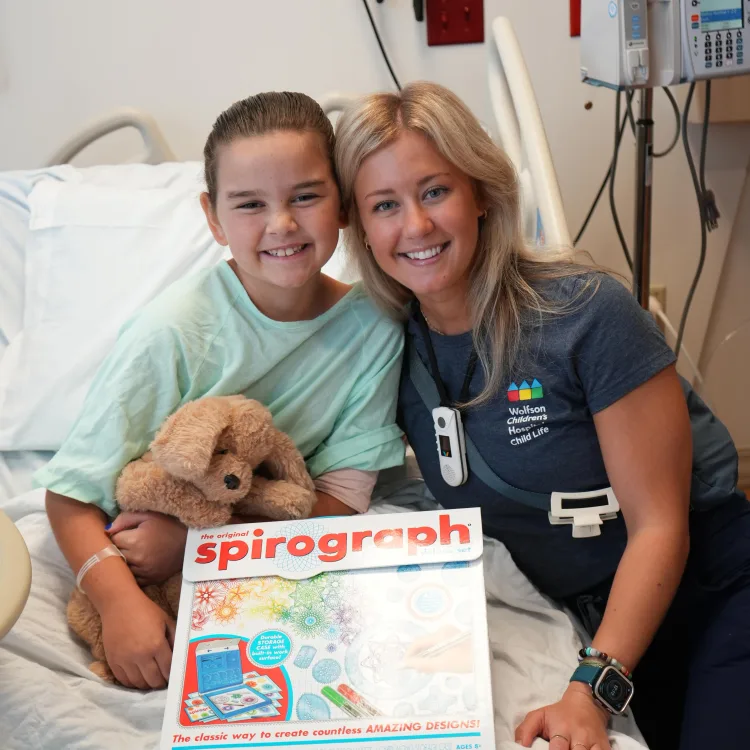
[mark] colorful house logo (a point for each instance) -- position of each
(525, 392)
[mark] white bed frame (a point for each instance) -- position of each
(521, 131)
(156, 148)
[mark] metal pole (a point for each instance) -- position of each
(644, 133)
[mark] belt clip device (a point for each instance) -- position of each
(571, 507)
(451, 445)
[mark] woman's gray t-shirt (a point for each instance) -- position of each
(538, 433)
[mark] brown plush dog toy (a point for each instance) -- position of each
(214, 457)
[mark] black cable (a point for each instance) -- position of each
(628, 118)
(706, 202)
(631, 118)
(709, 200)
(586, 221)
(700, 196)
(380, 44)
(613, 177)
(704, 138)
(677, 131)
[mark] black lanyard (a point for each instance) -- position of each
(471, 366)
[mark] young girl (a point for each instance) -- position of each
(267, 324)
(575, 391)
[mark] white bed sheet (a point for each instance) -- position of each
(16, 470)
(49, 700)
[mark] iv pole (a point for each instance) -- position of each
(644, 133)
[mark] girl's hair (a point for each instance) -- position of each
(503, 294)
(268, 112)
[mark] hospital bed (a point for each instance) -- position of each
(57, 224)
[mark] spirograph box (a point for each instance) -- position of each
(360, 631)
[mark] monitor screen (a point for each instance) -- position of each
(445, 446)
(721, 15)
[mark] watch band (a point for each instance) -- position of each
(587, 673)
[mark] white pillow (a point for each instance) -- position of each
(14, 225)
(95, 255)
(15, 188)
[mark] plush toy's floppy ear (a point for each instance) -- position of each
(259, 441)
(187, 440)
(250, 425)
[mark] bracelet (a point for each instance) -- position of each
(593, 661)
(593, 653)
(102, 554)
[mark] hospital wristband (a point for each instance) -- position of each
(102, 554)
(592, 653)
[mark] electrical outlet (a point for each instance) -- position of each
(659, 292)
(455, 21)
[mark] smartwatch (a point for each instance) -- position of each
(608, 685)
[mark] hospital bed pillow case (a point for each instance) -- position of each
(15, 188)
(96, 247)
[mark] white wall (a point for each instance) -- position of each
(64, 63)
(726, 355)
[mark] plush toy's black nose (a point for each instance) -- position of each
(231, 481)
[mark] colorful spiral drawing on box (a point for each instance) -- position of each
(324, 605)
(354, 644)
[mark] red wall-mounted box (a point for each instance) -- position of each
(575, 17)
(455, 21)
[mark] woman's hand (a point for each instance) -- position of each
(457, 658)
(153, 544)
(138, 639)
(576, 722)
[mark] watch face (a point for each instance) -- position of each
(614, 689)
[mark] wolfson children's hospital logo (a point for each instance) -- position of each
(527, 418)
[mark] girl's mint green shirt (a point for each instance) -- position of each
(330, 383)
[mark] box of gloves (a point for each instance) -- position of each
(367, 631)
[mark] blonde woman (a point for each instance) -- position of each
(563, 384)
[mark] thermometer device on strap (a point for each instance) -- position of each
(451, 445)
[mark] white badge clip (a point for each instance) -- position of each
(451, 445)
(571, 507)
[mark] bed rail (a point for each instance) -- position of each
(335, 102)
(157, 149)
(521, 131)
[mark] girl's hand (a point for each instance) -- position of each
(576, 722)
(138, 639)
(153, 544)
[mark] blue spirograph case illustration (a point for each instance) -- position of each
(219, 670)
